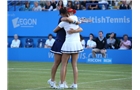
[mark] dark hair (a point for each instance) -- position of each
(81, 38)
(92, 35)
(26, 4)
(71, 4)
(63, 10)
(113, 33)
(59, 4)
(101, 32)
(50, 35)
(125, 35)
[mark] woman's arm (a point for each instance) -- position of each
(88, 44)
(75, 31)
(69, 20)
(61, 25)
(127, 45)
(56, 29)
(12, 44)
(78, 30)
(83, 43)
(18, 44)
(121, 42)
(94, 45)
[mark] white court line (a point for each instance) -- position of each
(27, 69)
(70, 73)
(35, 88)
(70, 70)
(87, 82)
(106, 80)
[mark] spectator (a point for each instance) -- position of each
(93, 7)
(111, 42)
(82, 41)
(47, 7)
(76, 2)
(36, 7)
(27, 7)
(101, 45)
(125, 43)
(103, 6)
(59, 5)
(70, 5)
(91, 43)
(124, 5)
(130, 4)
(78, 6)
(49, 42)
(117, 4)
(128, 1)
(15, 42)
(103, 1)
(42, 3)
(83, 4)
(53, 3)
(112, 3)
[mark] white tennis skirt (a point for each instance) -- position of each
(72, 47)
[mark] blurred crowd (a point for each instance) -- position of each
(54, 5)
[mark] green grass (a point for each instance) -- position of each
(34, 76)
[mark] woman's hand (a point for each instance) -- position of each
(64, 19)
(71, 31)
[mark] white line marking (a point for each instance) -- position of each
(106, 80)
(80, 73)
(68, 70)
(35, 88)
(87, 83)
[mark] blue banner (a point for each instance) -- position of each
(44, 55)
(43, 23)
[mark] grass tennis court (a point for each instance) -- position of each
(34, 76)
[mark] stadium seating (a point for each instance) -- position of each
(41, 43)
(35, 41)
(29, 43)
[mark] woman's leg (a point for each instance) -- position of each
(64, 61)
(57, 61)
(74, 66)
(66, 69)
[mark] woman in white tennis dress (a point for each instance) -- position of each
(71, 47)
(72, 43)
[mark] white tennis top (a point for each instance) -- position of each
(67, 26)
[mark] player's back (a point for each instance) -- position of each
(61, 34)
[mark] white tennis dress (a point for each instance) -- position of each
(72, 42)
